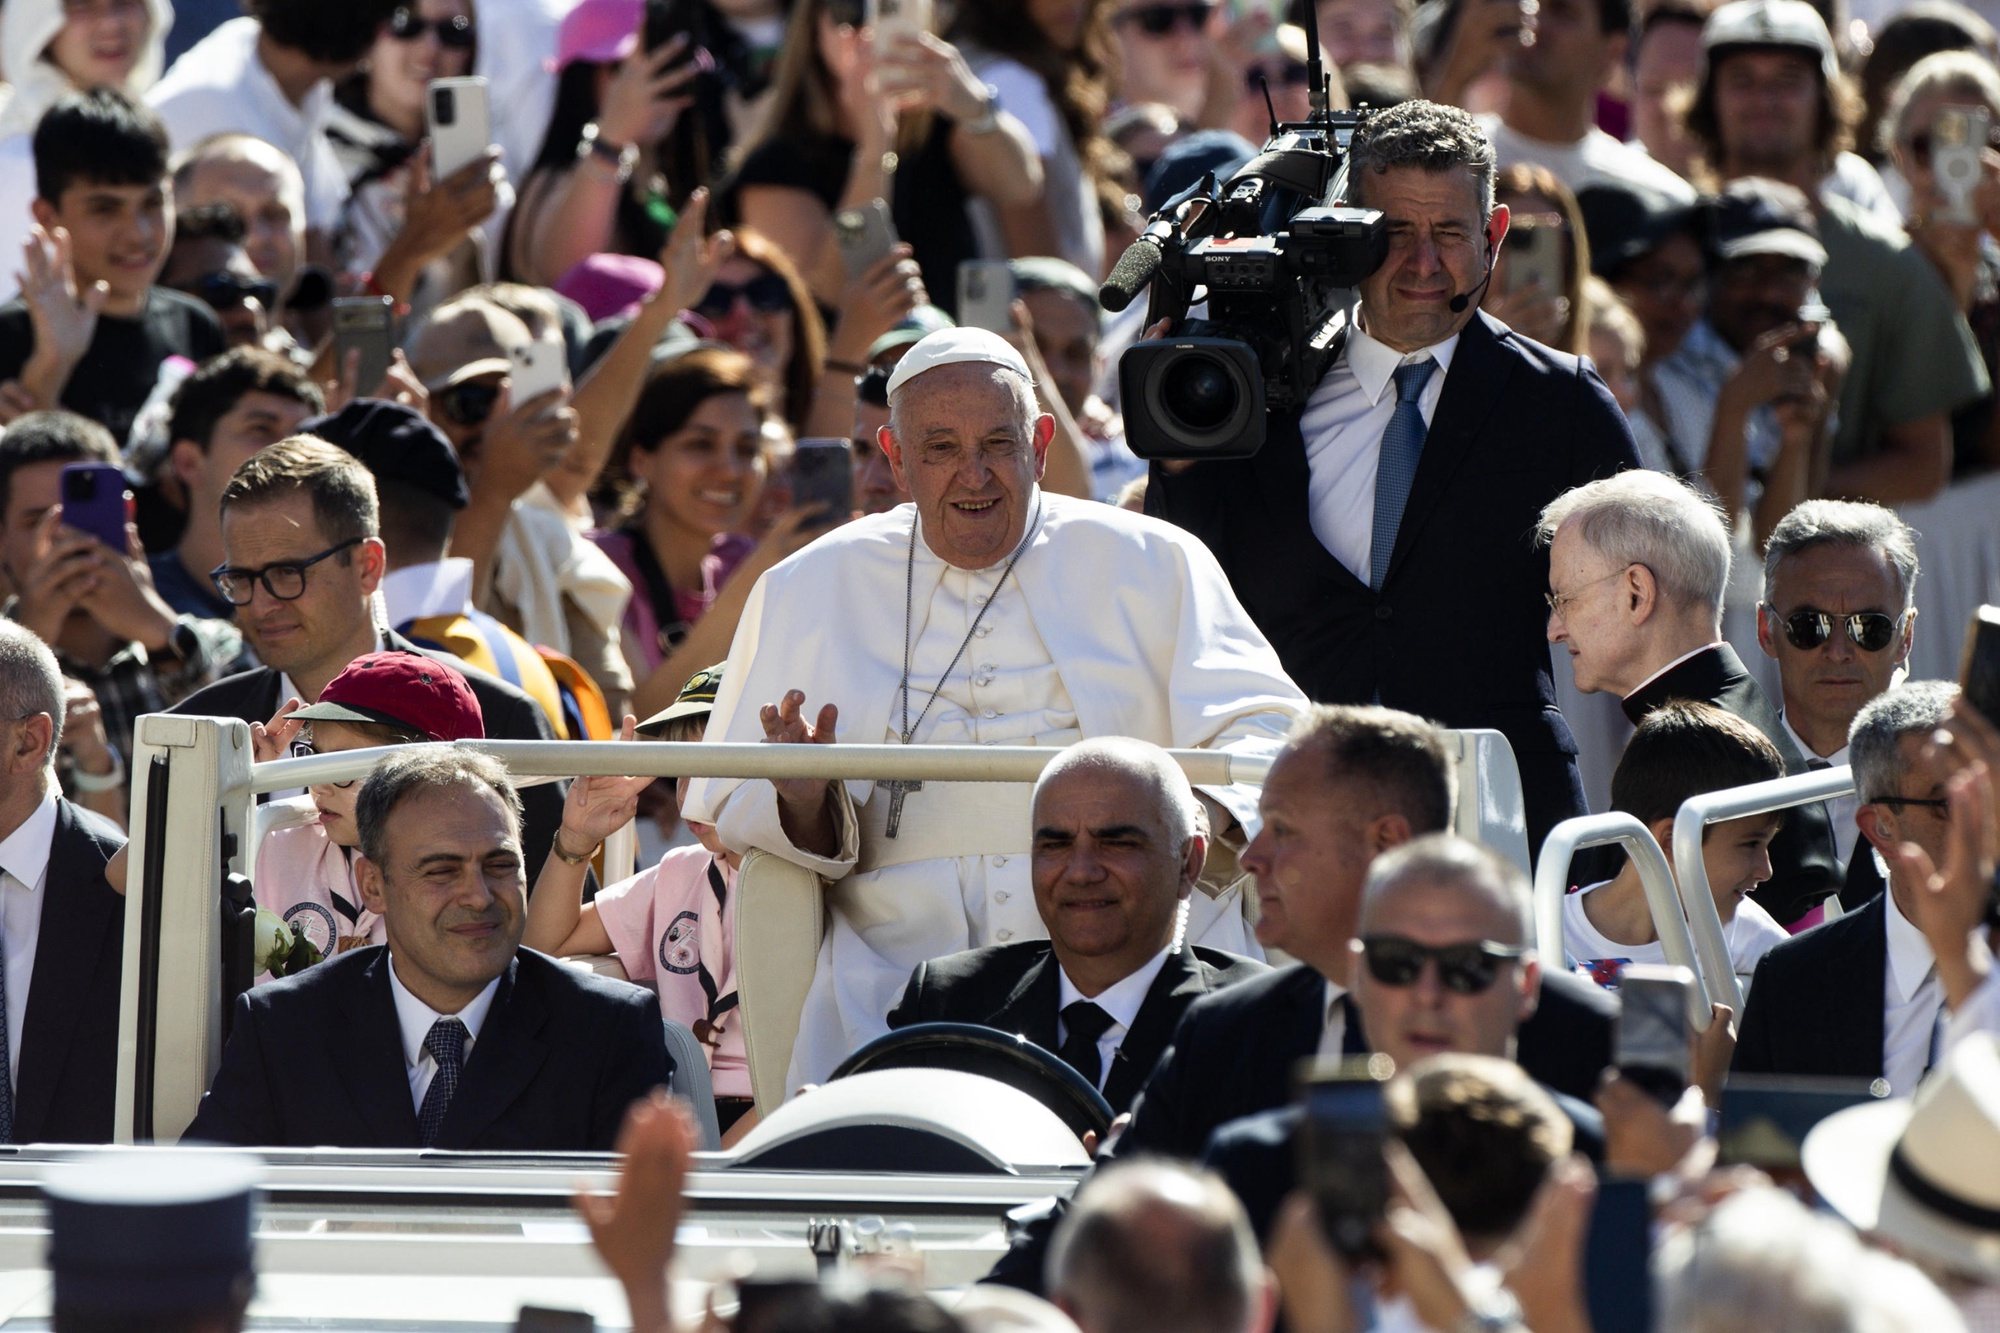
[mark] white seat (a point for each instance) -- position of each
(1491, 807)
(691, 1082)
(780, 917)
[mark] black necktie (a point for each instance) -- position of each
(1084, 1023)
(1815, 764)
(446, 1043)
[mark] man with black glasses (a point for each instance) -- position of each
(301, 533)
(1840, 586)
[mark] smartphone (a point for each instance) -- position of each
(667, 19)
(538, 367)
(93, 502)
(822, 473)
(865, 234)
(461, 123)
(1979, 671)
(986, 295)
(1340, 1151)
(1535, 258)
(1654, 1046)
(364, 324)
(1764, 1118)
(892, 19)
(1958, 136)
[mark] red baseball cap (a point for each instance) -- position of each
(405, 690)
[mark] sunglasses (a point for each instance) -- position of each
(456, 32)
(1159, 20)
(766, 293)
(1871, 631)
(223, 290)
(469, 402)
(1463, 969)
(303, 749)
(1291, 74)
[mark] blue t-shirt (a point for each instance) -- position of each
(183, 591)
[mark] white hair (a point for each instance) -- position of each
(1914, 708)
(1852, 523)
(1648, 518)
(1153, 768)
(30, 681)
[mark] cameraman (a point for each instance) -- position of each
(1381, 539)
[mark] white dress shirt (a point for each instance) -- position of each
(415, 1018)
(24, 873)
(439, 588)
(1839, 809)
(1912, 997)
(1333, 1037)
(1122, 1000)
(1342, 427)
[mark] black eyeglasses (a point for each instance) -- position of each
(456, 32)
(223, 290)
(1463, 969)
(1291, 74)
(766, 293)
(1871, 631)
(303, 749)
(1159, 20)
(469, 402)
(284, 580)
(1937, 803)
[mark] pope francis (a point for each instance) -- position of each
(985, 613)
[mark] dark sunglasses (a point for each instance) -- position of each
(1919, 145)
(223, 290)
(456, 32)
(1159, 20)
(1291, 74)
(1871, 631)
(469, 402)
(303, 749)
(285, 580)
(766, 293)
(1463, 969)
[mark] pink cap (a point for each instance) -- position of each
(608, 285)
(599, 31)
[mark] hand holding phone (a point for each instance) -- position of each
(93, 502)
(1979, 669)
(986, 295)
(460, 123)
(1340, 1145)
(1654, 1047)
(866, 235)
(822, 474)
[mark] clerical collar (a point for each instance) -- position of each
(1123, 998)
(1689, 656)
(1031, 504)
(1374, 364)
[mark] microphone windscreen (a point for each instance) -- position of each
(1130, 275)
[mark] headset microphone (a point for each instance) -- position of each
(1463, 299)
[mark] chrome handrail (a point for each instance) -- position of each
(1571, 836)
(1698, 812)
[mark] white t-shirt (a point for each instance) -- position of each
(1070, 200)
(1593, 158)
(1751, 934)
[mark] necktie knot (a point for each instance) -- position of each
(1083, 1024)
(1815, 764)
(1084, 1021)
(446, 1041)
(1411, 379)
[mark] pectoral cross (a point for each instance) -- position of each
(898, 789)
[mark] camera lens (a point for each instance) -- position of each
(446, 106)
(79, 485)
(1202, 394)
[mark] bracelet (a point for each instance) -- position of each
(850, 367)
(90, 784)
(988, 120)
(622, 157)
(556, 846)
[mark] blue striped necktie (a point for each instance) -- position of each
(446, 1043)
(1396, 467)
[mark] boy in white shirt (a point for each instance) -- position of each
(1680, 751)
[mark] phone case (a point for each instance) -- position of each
(986, 295)
(102, 513)
(463, 137)
(865, 235)
(538, 368)
(364, 322)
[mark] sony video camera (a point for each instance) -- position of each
(1277, 260)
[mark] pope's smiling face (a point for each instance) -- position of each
(968, 443)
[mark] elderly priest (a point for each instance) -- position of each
(986, 613)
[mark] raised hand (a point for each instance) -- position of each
(647, 95)
(633, 1229)
(785, 724)
(65, 568)
(598, 806)
(273, 739)
(691, 260)
(123, 599)
(63, 314)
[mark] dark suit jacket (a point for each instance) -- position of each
(509, 714)
(316, 1060)
(1233, 1055)
(1803, 866)
(1815, 1006)
(1517, 424)
(1016, 988)
(68, 1084)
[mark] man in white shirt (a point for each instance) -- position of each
(1552, 88)
(62, 928)
(1840, 587)
(1117, 850)
(1860, 997)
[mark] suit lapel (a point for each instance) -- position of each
(1181, 979)
(1471, 387)
(506, 1057)
(77, 909)
(366, 1049)
(1030, 1007)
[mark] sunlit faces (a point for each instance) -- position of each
(742, 315)
(1571, 51)
(1591, 618)
(1767, 107)
(118, 235)
(100, 41)
(258, 420)
(408, 56)
(1426, 1017)
(313, 628)
(707, 476)
(33, 490)
(1736, 854)
(1752, 295)
(1309, 857)
(1108, 868)
(1825, 687)
(1066, 334)
(1363, 32)
(1439, 241)
(264, 188)
(1913, 812)
(968, 444)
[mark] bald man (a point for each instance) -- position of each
(1118, 845)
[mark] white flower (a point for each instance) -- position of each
(274, 940)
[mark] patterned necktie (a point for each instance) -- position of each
(6, 1058)
(1085, 1023)
(446, 1043)
(1396, 468)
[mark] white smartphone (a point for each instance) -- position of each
(461, 123)
(865, 235)
(1958, 136)
(538, 368)
(1535, 258)
(897, 18)
(986, 295)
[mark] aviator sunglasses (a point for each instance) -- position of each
(456, 32)
(1159, 20)
(1871, 631)
(1463, 969)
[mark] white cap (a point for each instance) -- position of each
(951, 347)
(1786, 23)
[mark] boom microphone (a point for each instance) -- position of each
(1136, 267)
(1463, 299)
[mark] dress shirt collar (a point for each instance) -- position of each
(1374, 364)
(1122, 999)
(1689, 656)
(25, 852)
(289, 689)
(1910, 959)
(440, 588)
(415, 1017)
(1834, 760)
(1335, 992)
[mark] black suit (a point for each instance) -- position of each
(1017, 988)
(1815, 1005)
(1516, 425)
(1803, 866)
(509, 715)
(68, 1084)
(316, 1060)
(1234, 1054)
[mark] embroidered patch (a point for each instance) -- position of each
(316, 920)
(680, 947)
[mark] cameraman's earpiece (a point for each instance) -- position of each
(1464, 299)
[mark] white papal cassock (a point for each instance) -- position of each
(1111, 624)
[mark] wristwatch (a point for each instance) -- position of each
(1495, 1312)
(562, 854)
(89, 784)
(988, 119)
(622, 156)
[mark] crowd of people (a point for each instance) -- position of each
(393, 374)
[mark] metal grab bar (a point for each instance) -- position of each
(1571, 836)
(1697, 813)
(928, 763)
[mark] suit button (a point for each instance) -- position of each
(1006, 935)
(1001, 896)
(1384, 612)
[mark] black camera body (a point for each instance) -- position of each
(1277, 261)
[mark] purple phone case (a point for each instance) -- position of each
(103, 514)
